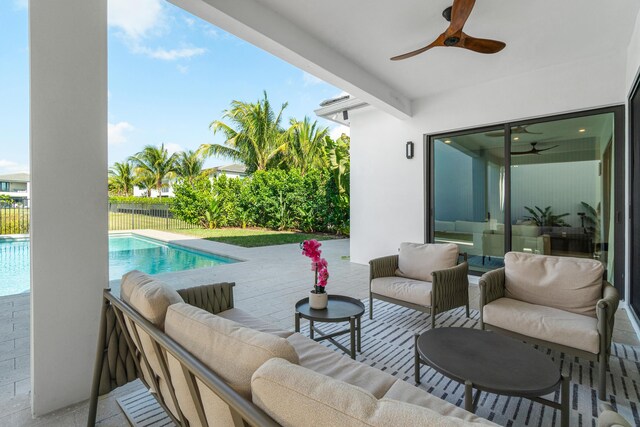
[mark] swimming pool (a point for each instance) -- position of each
(126, 252)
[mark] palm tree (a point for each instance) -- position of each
(121, 178)
(253, 134)
(189, 165)
(155, 162)
(306, 144)
(337, 153)
(146, 182)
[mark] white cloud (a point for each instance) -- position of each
(117, 132)
(338, 130)
(173, 148)
(183, 69)
(136, 19)
(310, 80)
(9, 166)
(170, 54)
(189, 21)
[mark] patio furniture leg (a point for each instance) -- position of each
(352, 325)
(370, 307)
(416, 359)
(97, 368)
(433, 318)
(468, 310)
(564, 401)
(602, 379)
(297, 321)
(468, 396)
(359, 332)
(311, 331)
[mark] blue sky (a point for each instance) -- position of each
(170, 75)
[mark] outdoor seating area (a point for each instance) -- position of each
(209, 362)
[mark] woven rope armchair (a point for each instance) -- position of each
(493, 293)
(449, 288)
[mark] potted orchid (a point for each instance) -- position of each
(317, 296)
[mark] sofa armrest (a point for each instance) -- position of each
(214, 298)
(491, 288)
(383, 267)
(605, 312)
(450, 287)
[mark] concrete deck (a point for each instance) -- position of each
(268, 283)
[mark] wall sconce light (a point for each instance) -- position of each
(409, 150)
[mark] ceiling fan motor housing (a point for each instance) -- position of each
(451, 41)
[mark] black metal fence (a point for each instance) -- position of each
(136, 216)
(15, 218)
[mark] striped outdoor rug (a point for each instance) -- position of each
(388, 344)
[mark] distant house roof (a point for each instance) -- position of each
(234, 168)
(15, 177)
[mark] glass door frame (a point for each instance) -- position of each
(634, 169)
(619, 177)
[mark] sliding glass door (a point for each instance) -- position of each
(469, 195)
(549, 186)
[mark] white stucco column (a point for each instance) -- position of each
(69, 249)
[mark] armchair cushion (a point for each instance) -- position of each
(569, 284)
(419, 261)
(544, 323)
(409, 290)
(231, 350)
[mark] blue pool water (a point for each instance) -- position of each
(126, 253)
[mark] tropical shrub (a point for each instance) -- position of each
(276, 199)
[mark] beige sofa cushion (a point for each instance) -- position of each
(293, 395)
(419, 261)
(404, 392)
(150, 297)
(545, 323)
(570, 284)
(231, 350)
(404, 289)
(250, 321)
(327, 362)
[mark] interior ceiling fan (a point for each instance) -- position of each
(457, 15)
(533, 150)
(516, 130)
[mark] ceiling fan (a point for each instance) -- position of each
(514, 130)
(457, 15)
(533, 150)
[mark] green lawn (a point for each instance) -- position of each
(254, 237)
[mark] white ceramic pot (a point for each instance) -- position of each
(318, 301)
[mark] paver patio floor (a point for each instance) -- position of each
(268, 283)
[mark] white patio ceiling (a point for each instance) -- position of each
(349, 43)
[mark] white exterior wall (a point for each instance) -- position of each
(388, 191)
(69, 249)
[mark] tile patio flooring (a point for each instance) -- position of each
(268, 284)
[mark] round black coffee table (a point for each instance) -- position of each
(339, 309)
(494, 363)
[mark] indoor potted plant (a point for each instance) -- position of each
(317, 296)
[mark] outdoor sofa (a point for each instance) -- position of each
(424, 277)
(210, 364)
(557, 302)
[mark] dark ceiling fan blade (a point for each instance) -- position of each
(496, 134)
(545, 149)
(460, 12)
(519, 153)
(437, 42)
(481, 45)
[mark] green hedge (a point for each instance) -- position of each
(276, 199)
(141, 200)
